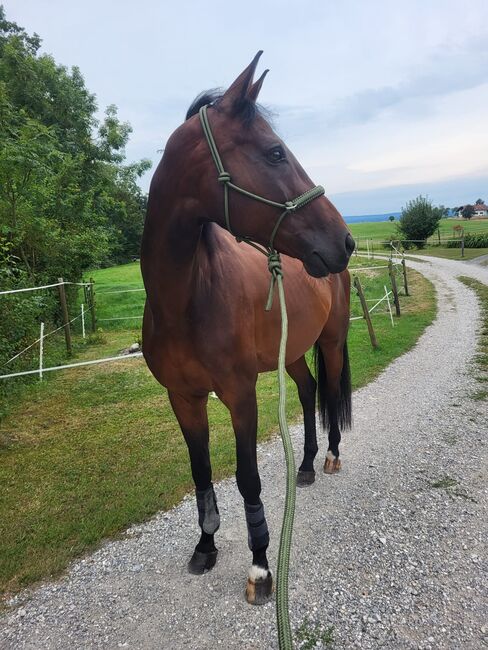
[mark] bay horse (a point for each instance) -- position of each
(205, 328)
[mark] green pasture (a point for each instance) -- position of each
(89, 451)
(385, 230)
(118, 295)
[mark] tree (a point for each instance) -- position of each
(479, 202)
(391, 218)
(467, 212)
(418, 221)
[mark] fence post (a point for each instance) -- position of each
(405, 281)
(41, 350)
(83, 320)
(394, 288)
(366, 315)
(389, 305)
(462, 247)
(92, 305)
(439, 235)
(64, 314)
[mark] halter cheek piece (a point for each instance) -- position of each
(274, 261)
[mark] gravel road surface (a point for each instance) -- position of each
(391, 552)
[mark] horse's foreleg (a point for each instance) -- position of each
(191, 413)
(307, 387)
(243, 408)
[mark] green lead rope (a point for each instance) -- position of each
(285, 638)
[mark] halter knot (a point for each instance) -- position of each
(290, 206)
(274, 264)
(223, 177)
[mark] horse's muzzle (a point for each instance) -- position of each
(322, 262)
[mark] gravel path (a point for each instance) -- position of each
(380, 554)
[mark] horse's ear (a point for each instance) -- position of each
(238, 90)
(256, 87)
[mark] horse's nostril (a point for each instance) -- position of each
(350, 244)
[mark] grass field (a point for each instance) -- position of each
(89, 451)
(384, 230)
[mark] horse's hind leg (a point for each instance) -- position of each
(191, 413)
(240, 399)
(307, 387)
(334, 395)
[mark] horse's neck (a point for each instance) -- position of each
(168, 260)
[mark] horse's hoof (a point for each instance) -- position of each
(202, 562)
(259, 586)
(305, 478)
(332, 463)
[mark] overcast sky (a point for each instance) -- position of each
(379, 100)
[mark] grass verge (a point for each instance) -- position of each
(92, 450)
(481, 359)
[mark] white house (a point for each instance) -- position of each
(480, 210)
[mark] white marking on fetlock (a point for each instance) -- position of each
(330, 456)
(257, 573)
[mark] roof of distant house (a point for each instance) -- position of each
(479, 206)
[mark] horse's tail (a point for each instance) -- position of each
(333, 400)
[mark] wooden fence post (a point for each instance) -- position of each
(462, 247)
(391, 272)
(92, 305)
(64, 314)
(405, 281)
(366, 315)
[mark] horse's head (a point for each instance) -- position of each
(258, 161)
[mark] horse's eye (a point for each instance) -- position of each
(276, 155)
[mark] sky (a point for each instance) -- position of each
(380, 101)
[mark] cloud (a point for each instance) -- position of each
(450, 69)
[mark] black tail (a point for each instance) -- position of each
(328, 403)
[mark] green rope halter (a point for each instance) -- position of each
(285, 638)
(274, 260)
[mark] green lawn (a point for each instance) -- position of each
(384, 230)
(129, 305)
(89, 451)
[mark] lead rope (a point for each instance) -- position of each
(285, 638)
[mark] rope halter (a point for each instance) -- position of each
(274, 260)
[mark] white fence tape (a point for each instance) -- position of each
(44, 286)
(73, 365)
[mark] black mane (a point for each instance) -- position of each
(246, 109)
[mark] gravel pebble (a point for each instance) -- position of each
(380, 554)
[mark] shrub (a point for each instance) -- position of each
(418, 221)
(471, 240)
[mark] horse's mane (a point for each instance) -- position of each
(245, 109)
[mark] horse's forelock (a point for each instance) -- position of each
(245, 109)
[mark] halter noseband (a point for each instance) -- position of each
(274, 262)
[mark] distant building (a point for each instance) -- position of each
(480, 211)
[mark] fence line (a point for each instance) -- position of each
(45, 286)
(73, 365)
(44, 337)
(105, 293)
(120, 317)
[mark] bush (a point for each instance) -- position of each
(418, 221)
(471, 240)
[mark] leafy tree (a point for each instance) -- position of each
(391, 218)
(418, 221)
(68, 201)
(467, 212)
(479, 202)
